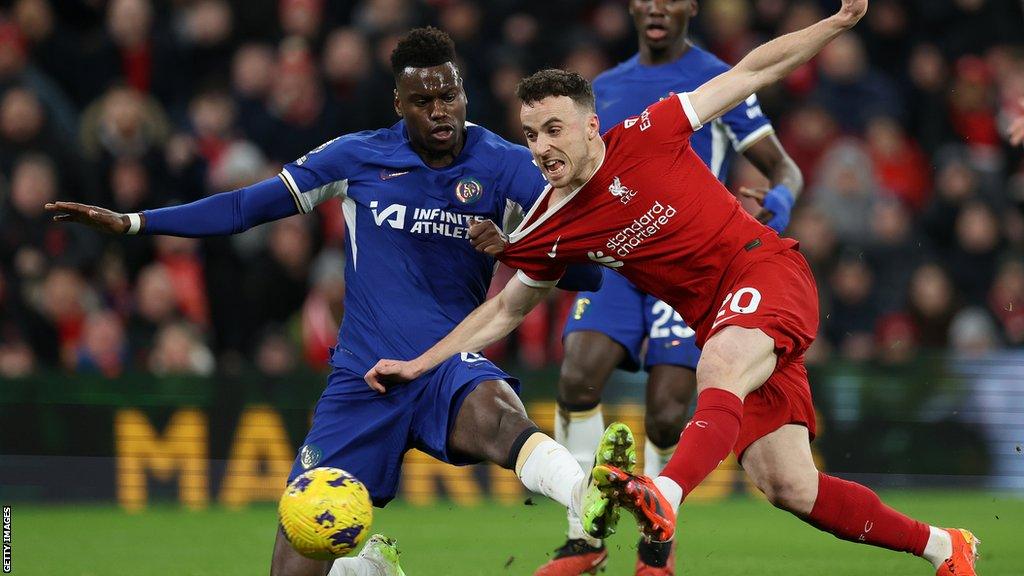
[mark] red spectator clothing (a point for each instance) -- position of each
(905, 174)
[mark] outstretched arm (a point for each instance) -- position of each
(771, 62)
(490, 322)
(220, 214)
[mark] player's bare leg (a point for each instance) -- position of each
(287, 562)
(781, 466)
(734, 362)
(669, 392)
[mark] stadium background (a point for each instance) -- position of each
(162, 374)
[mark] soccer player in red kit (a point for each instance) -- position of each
(639, 200)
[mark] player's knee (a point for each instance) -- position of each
(664, 425)
(790, 492)
(576, 386)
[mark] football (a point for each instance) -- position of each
(325, 513)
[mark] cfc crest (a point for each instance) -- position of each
(468, 190)
(310, 456)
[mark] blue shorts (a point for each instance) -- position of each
(367, 434)
(622, 312)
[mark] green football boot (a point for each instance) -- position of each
(600, 512)
(383, 552)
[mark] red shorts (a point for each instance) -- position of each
(778, 296)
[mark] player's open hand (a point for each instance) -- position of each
(852, 11)
(389, 372)
(486, 237)
(99, 218)
(1017, 127)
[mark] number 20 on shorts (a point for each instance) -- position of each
(742, 301)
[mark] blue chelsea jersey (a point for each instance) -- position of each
(630, 87)
(411, 274)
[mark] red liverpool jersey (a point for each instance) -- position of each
(652, 212)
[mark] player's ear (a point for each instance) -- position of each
(593, 126)
(694, 9)
(398, 105)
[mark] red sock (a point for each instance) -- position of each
(707, 439)
(853, 512)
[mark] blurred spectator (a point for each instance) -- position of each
(63, 301)
(894, 252)
(956, 182)
(973, 332)
(807, 134)
(900, 165)
(25, 127)
(850, 89)
(727, 25)
(932, 305)
(301, 116)
(301, 18)
(17, 70)
(134, 49)
(323, 308)
(155, 305)
(277, 282)
(179, 351)
(975, 258)
(971, 103)
(205, 27)
(846, 191)
(851, 315)
(275, 354)
(1006, 300)
(103, 348)
(928, 78)
(180, 257)
(29, 239)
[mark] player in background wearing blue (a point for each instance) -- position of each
(408, 194)
(607, 329)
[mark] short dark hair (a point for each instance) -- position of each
(555, 82)
(422, 48)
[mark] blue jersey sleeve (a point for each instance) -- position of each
(224, 213)
(746, 124)
(321, 174)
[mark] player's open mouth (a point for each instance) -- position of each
(554, 168)
(443, 133)
(656, 32)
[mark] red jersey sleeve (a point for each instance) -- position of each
(670, 120)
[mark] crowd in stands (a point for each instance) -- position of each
(912, 216)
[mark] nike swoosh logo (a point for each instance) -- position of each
(389, 175)
(720, 320)
(554, 249)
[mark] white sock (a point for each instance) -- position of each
(938, 548)
(580, 433)
(670, 490)
(356, 567)
(550, 469)
(656, 458)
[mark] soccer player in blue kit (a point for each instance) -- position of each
(408, 194)
(607, 329)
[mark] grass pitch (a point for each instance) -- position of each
(735, 537)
